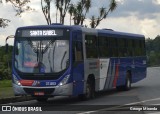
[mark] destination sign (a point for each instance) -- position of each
(40, 33)
(43, 33)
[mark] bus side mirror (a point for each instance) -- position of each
(6, 48)
(11, 36)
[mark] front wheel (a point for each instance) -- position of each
(90, 92)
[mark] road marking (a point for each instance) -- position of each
(154, 113)
(88, 112)
(143, 101)
(155, 104)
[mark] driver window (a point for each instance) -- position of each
(77, 47)
(78, 51)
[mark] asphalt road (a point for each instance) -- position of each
(145, 93)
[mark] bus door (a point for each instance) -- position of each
(77, 63)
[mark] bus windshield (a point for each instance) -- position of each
(41, 55)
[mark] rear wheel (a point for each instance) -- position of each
(127, 85)
(119, 88)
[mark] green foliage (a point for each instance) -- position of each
(4, 22)
(153, 51)
(5, 67)
(103, 13)
(20, 6)
(5, 83)
(6, 92)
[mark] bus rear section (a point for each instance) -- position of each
(114, 59)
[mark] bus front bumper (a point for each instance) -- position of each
(64, 90)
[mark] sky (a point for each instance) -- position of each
(133, 16)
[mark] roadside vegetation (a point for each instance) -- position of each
(153, 51)
(6, 89)
(5, 83)
(5, 63)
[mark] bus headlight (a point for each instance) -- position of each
(16, 80)
(64, 81)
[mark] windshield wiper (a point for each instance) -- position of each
(31, 44)
(63, 58)
(46, 48)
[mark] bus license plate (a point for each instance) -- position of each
(38, 93)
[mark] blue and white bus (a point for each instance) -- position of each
(59, 60)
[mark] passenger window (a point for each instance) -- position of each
(91, 46)
(103, 46)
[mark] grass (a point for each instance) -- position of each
(5, 83)
(6, 88)
(6, 92)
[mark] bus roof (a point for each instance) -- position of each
(120, 34)
(102, 32)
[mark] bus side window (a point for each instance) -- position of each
(113, 48)
(103, 47)
(91, 46)
(130, 47)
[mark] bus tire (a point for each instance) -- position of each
(127, 85)
(90, 91)
(91, 87)
(119, 88)
(42, 99)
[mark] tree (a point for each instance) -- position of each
(153, 51)
(156, 44)
(4, 22)
(5, 72)
(20, 6)
(45, 5)
(103, 14)
(92, 24)
(57, 6)
(71, 9)
(79, 11)
(62, 6)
